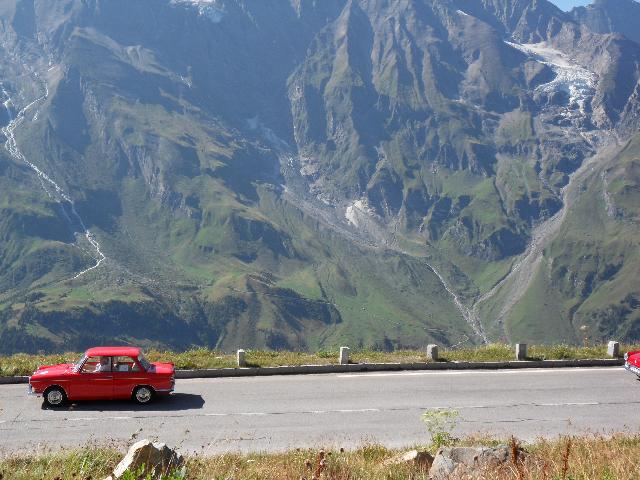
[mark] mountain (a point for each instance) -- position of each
(611, 16)
(302, 174)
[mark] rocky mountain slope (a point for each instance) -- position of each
(300, 174)
(611, 16)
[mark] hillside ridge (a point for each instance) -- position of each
(309, 174)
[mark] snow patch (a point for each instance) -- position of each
(210, 9)
(357, 212)
(460, 12)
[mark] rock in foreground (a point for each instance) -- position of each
(421, 459)
(468, 462)
(158, 460)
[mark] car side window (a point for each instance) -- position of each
(125, 364)
(96, 364)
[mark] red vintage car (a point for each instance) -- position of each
(103, 373)
(632, 362)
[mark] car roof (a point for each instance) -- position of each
(113, 352)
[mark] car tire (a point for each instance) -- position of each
(54, 397)
(143, 394)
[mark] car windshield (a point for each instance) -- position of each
(144, 362)
(78, 364)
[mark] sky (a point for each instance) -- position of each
(569, 4)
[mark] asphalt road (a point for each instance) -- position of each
(278, 413)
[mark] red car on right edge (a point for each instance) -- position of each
(632, 362)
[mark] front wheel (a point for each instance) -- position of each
(143, 395)
(54, 397)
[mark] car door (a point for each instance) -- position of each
(91, 384)
(127, 373)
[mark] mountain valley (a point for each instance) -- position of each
(299, 174)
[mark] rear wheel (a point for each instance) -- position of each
(54, 397)
(143, 394)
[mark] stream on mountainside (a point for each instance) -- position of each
(330, 216)
(53, 190)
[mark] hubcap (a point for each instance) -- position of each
(54, 397)
(143, 395)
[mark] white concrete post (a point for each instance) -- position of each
(432, 352)
(521, 351)
(242, 361)
(613, 349)
(344, 355)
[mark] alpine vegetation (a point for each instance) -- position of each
(299, 175)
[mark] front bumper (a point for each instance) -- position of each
(32, 393)
(632, 368)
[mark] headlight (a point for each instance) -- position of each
(626, 356)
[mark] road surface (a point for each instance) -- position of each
(283, 412)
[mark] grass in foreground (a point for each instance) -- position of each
(24, 364)
(567, 458)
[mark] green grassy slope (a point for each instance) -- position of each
(586, 286)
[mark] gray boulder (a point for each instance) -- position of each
(424, 460)
(468, 462)
(157, 458)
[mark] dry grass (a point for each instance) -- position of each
(204, 358)
(583, 458)
(364, 463)
(23, 364)
(566, 458)
(499, 352)
(93, 463)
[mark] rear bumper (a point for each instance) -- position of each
(632, 368)
(168, 390)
